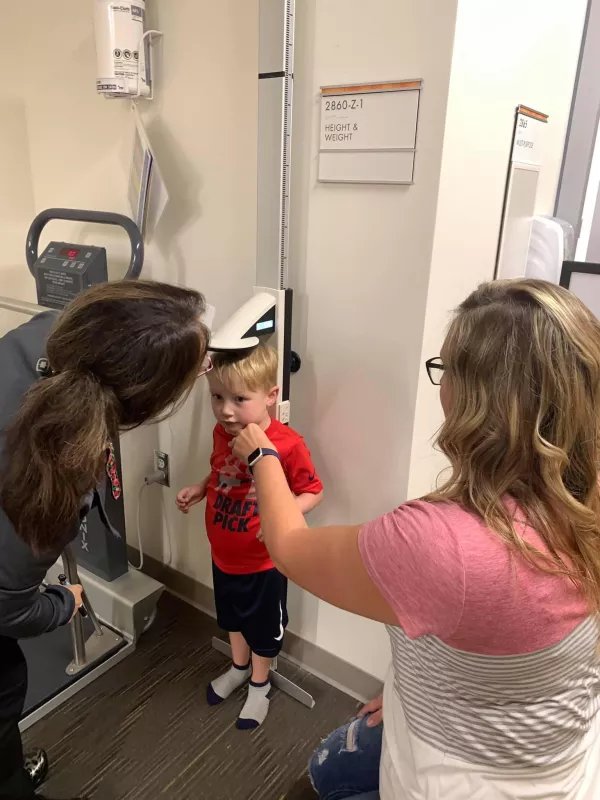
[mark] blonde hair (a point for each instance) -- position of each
(256, 370)
(522, 366)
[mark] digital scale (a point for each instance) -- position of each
(120, 603)
(65, 269)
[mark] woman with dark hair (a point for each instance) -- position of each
(490, 586)
(120, 355)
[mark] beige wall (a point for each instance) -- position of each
(360, 264)
(506, 52)
(361, 256)
(16, 186)
(203, 128)
(17, 207)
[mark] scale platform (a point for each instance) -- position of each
(48, 657)
(128, 603)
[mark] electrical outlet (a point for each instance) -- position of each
(283, 412)
(161, 462)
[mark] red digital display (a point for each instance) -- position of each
(66, 251)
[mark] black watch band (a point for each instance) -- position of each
(259, 453)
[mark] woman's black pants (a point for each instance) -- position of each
(15, 782)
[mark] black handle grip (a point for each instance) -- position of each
(295, 363)
(78, 215)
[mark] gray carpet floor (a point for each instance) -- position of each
(144, 730)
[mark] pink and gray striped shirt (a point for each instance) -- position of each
(495, 661)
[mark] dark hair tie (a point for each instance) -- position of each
(43, 368)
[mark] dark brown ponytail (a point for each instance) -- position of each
(122, 354)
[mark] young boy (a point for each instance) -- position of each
(250, 594)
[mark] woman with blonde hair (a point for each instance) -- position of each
(490, 586)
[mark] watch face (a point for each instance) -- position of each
(253, 457)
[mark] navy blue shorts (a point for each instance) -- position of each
(254, 605)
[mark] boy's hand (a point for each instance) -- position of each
(191, 495)
(248, 440)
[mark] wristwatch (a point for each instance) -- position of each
(256, 456)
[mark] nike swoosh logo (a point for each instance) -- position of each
(280, 637)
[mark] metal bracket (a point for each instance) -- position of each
(149, 67)
(276, 678)
(95, 649)
(101, 642)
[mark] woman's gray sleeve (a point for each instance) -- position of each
(30, 612)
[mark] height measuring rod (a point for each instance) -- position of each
(270, 309)
(275, 93)
(275, 90)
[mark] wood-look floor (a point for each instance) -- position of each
(144, 730)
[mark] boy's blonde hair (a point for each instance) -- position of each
(256, 370)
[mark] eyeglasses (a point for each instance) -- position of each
(435, 370)
(207, 365)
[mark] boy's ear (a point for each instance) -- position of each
(272, 396)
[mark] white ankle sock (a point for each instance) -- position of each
(256, 706)
(225, 684)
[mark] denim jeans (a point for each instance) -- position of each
(346, 765)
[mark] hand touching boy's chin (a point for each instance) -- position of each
(248, 440)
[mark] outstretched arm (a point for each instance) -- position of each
(324, 561)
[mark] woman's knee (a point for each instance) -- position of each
(347, 761)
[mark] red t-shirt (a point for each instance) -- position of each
(232, 520)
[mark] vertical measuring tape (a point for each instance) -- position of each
(288, 96)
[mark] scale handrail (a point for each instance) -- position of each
(86, 215)
(21, 306)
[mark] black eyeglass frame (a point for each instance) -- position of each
(432, 365)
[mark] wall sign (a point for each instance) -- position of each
(520, 192)
(528, 139)
(368, 132)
